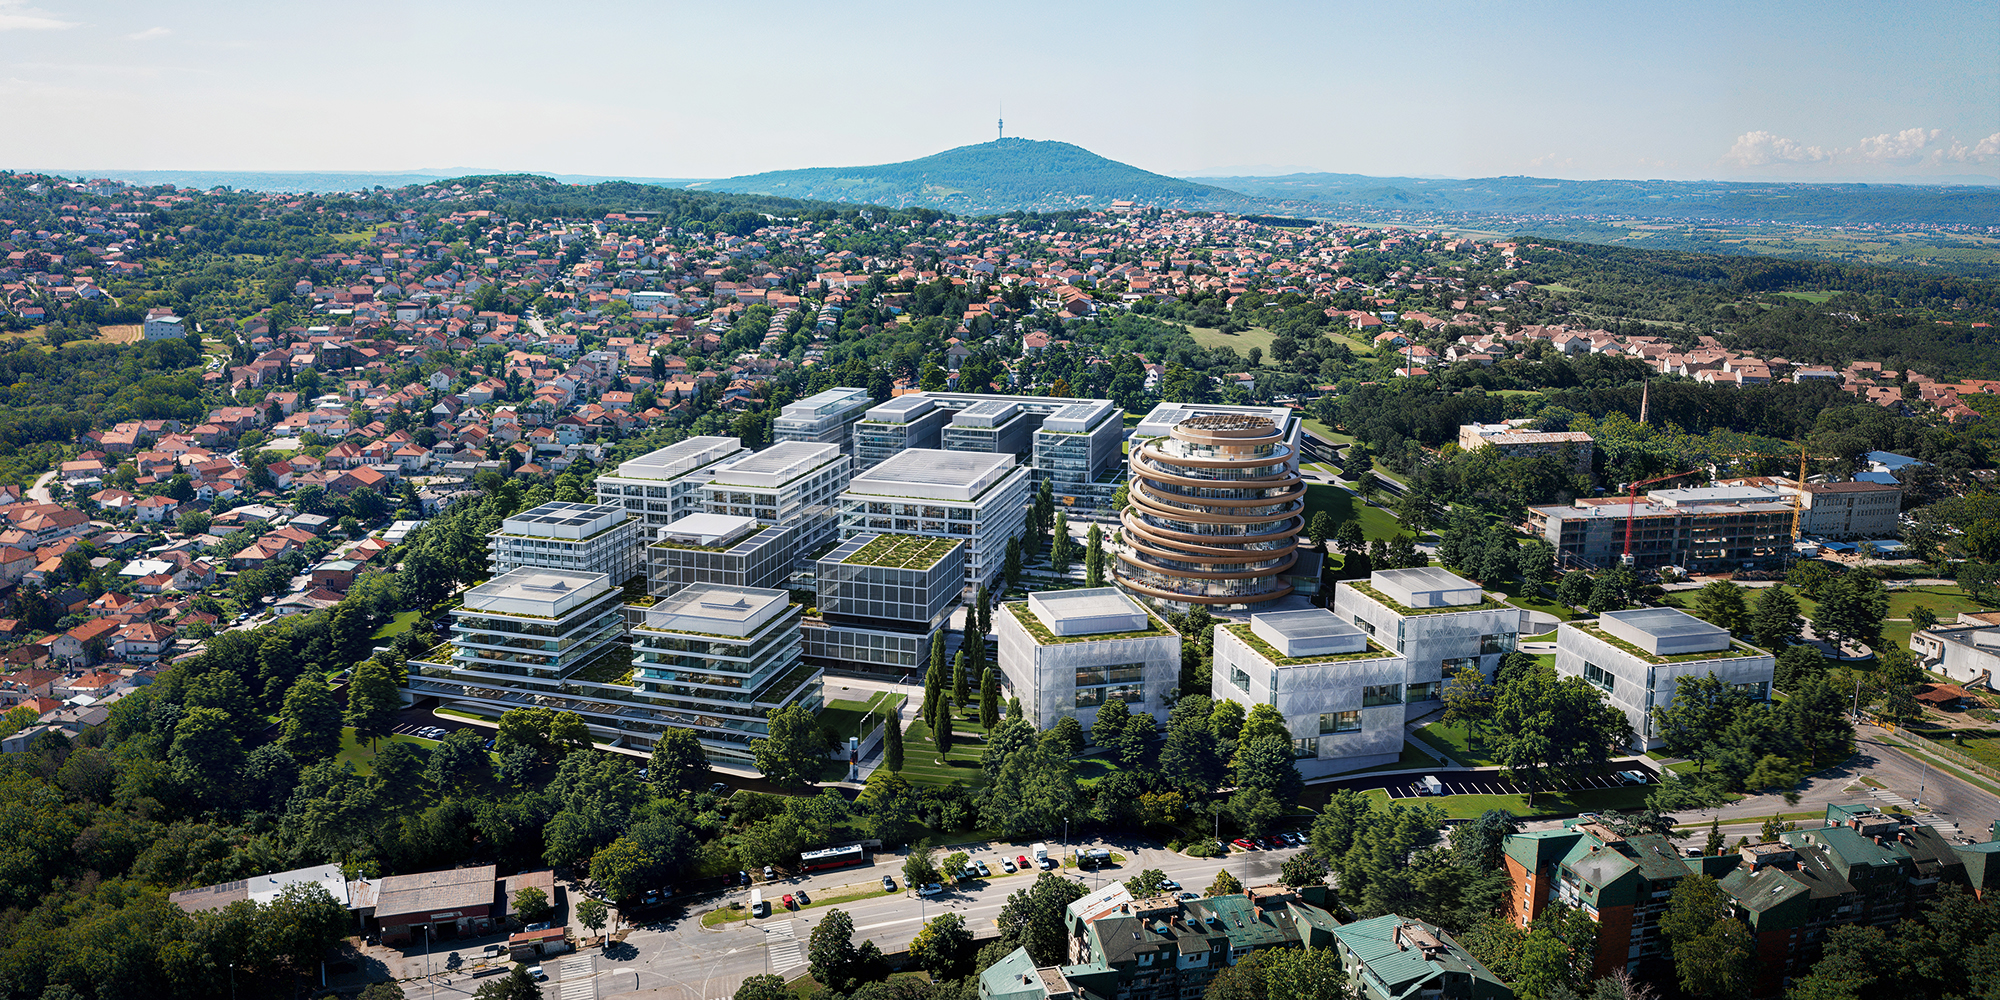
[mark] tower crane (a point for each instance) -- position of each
(1632, 502)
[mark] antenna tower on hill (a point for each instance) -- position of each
(1003, 122)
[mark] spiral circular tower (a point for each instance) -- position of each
(1214, 512)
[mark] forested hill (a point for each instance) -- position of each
(1002, 176)
(1820, 204)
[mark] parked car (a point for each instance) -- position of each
(742, 878)
(718, 787)
(929, 890)
(984, 872)
(804, 900)
(1007, 866)
(888, 883)
(1633, 777)
(1021, 862)
(535, 973)
(789, 905)
(1169, 884)
(770, 873)
(1244, 843)
(1189, 895)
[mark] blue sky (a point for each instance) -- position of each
(1689, 90)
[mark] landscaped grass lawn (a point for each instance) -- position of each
(1328, 433)
(920, 765)
(1626, 797)
(1538, 602)
(397, 625)
(847, 718)
(1337, 501)
(1456, 744)
(1982, 745)
(358, 754)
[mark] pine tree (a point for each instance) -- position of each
(1011, 570)
(942, 733)
(1014, 707)
(892, 742)
(989, 700)
(959, 680)
(1093, 558)
(934, 680)
(983, 610)
(1059, 552)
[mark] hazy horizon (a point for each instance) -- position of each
(1783, 91)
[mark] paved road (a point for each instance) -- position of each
(675, 958)
(39, 493)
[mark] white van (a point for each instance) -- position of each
(757, 903)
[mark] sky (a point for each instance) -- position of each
(1693, 90)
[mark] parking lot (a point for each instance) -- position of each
(1488, 785)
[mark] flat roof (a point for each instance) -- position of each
(777, 465)
(820, 404)
(1423, 578)
(717, 610)
(1307, 631)
(1714, 494)
(1663, 622)
(532, 590)
(931, 473)
(893, 551)
(680, 458)
(707, 529)
(1083, 612)
(901, 409)
(1079, 416)
(564, 519)
(1166, 416)
(986, 413)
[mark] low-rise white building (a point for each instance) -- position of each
(1341, 693)
(1967, 652)
(1067, 652)
(1638, 657)
(1437, 621)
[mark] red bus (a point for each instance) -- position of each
(831, 857)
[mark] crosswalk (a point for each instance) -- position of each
(1891, 798)
(577, 981)
(787, 951)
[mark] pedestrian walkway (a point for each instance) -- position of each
(787, 952)
(1891, 798)
(578, 980)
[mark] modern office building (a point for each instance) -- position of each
(791, 484)
(1215, 507)
(528, 638)
(1638, 657)
(717, 660)
(1968, 651)
(1074, 444)
(880, 599)
(575, 537)
(823, 418)
(976, 498)
(661, 487)
(1068, 652)
(1709, 529)
(1396, 958)
(1341, 693)
(1437, 621)
(902, 423)
(719, 549)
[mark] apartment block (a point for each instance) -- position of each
(1341, 693)
(575, 537)
(881, 597)
(1437, 621)
(1851, 510)
(1638, 657)
(823, 418)
(976, 498)
(717, 660)
(661, 487)
(1069, 652)
(1394, 958)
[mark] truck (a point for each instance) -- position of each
(1041, 852)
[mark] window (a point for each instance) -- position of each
(1306, 747)
(1364, 625)
(1340, 722)
(1457, 663)
(1426, 692)
(1123, 673)
(1758, 691)
(1239, 678)
(1127, 693)
(1381, 694)
(1599, 676)
(1499, 642)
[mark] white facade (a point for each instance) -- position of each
(661, 487)
(1413, 613)
(165, 328)
(979, 499)
(1638, 657)
(1341, 693)
(1089, 656)
(792, 484)
(575, 537)
(823, 418)
(717, 660)
(1968, 653)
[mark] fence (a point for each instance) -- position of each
(1923, 744)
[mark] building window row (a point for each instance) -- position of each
(1599, 676)
(1339, 722)
(1381, 694)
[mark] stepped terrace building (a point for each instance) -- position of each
(978, 499)
(717, 660)
(823, 418)
(661, 487)
(1216, 507)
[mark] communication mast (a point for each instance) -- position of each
(1002, 123)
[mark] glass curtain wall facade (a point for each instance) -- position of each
(717, 659)
(1215, 510)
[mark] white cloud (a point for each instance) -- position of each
(18, 16)
(1904, 145)
(1756, 149)
(149, 34)
(1989, 146)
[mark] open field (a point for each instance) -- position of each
(124, 333)
(1241, 343)
(1336, 500)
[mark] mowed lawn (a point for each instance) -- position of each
(1336, 500)
(1629, 797)
(961, 767)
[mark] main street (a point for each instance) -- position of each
(678, 958)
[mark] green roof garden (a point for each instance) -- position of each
(1044, 637)
(1264, 649)
(1362, 587)
(1736, 650)
(901, 552)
